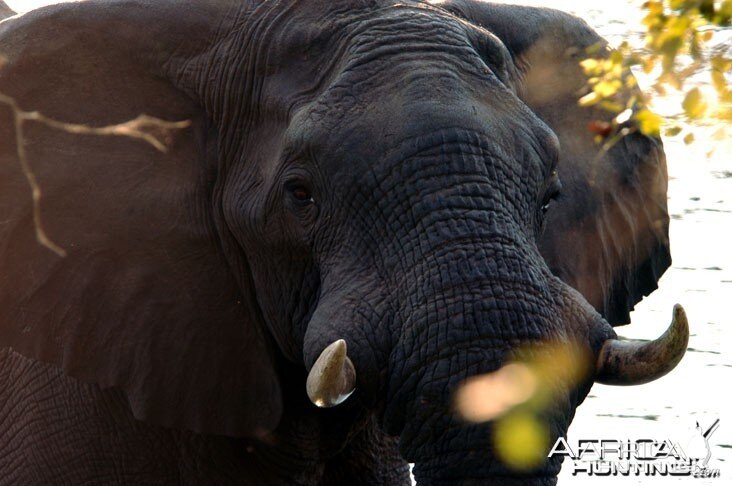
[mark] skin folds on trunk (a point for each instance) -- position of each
(480, 326)
(466, 286)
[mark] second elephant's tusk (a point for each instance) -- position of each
(332, 378)
(635, 362)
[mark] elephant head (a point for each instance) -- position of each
(361, 196)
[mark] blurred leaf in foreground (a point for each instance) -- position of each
(517, 397)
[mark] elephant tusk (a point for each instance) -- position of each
(636, 362)
(333, 377)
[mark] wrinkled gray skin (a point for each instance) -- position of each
(172, 343)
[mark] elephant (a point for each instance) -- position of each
(373, 201)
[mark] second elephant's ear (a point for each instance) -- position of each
(5, 11)
(145, 298)
(607, 234)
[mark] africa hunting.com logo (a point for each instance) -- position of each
(641, 457)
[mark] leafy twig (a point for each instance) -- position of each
(676, 33)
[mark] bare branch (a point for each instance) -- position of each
(154, 131)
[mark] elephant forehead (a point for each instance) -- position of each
(357, 81)
(365, 46)
(383, 130)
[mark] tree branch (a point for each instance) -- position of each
(151, 130)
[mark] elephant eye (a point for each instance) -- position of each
(301, 194)
(552, 192)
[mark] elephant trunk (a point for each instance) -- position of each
(468, 320)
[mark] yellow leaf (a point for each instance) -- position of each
(649, 122)
(725, 12)
(521, 440)
(676, 4)
(616, 57)
(722, 63)
(606, 89)
(595, 48)
(611, 106)
(689, 138)
(719, 81)
(724, 114)
(589, 65)
(654, 7)
(694, 104)
(673, 131)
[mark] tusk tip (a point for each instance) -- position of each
(341, 347)
(679, 328)
(680, 315)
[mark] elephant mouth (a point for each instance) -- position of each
(332, 379)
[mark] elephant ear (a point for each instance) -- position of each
(607, 234)
(5, 11)
(144, 299)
